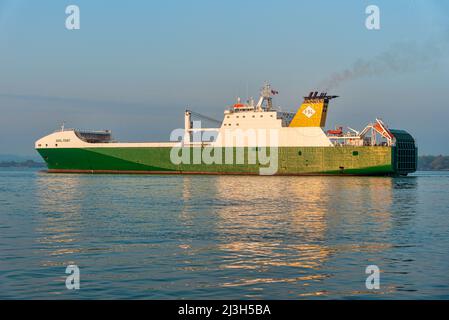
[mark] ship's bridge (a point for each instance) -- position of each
(252, 120)
(260, 115)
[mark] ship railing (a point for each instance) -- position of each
(360, 143)
(94, 131)
(83, 130)
(199, 144)
(203, 129)
(65, 129)
(344, 137)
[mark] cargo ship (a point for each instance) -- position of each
(252, 139)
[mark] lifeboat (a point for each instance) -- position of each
(337, 132)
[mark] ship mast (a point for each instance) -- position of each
(266, 94)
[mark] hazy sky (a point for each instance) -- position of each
(134, 66)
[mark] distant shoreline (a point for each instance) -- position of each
(433, 163)
(22, 164)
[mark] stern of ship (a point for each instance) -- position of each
(404, 153)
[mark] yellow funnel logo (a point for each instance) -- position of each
(313, 111)
(309, 111)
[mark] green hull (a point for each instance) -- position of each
(366, 160)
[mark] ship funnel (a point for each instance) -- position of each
(313, 111)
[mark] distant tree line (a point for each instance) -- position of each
(433, 162)
(21, 164)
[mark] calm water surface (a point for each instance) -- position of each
(213, 237)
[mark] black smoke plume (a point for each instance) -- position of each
(398, 59)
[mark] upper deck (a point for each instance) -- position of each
(303, 128)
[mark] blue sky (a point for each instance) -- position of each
(135, 65)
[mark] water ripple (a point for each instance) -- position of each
(223, 237)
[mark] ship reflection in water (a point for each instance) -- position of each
(235, 237)
(286, 236)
